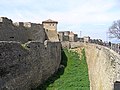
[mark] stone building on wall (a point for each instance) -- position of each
(27, 31)
(67, 36)
(50, 27)
(86, 39)
(64, 36)
(81, 39)
(71, 37)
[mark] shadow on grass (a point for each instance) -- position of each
(56, 75)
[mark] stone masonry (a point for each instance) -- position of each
(103, 65)
(23, 67)
(50, 27)
(27, 31)
(28, 55)
(21, 31)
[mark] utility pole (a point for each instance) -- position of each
(80, 34)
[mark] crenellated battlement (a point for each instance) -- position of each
(18, 24)
(5, 20)
(27, 31)
(21, 31)
(27, 55)
(26, 24)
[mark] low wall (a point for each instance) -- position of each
(103, 65)
(25, 66)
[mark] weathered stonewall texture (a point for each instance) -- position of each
(23, 67)
(103, 65)
(20, 31)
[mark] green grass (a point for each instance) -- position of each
(74, 76)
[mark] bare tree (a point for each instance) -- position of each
(114, 30)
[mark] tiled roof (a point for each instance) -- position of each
(49, 21)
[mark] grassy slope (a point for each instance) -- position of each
(73, 77)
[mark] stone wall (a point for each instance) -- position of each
(25, 66)
(67, 44)
(52, 35)
(103, 65)
(67, 36)
(20, 31)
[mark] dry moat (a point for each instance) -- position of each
(73, 74)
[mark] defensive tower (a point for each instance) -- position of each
(50, 27)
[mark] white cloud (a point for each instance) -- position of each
(80, 11)
(95, 11)
(70, 14)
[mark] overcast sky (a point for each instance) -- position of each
(92, 17)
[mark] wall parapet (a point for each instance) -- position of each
(5, 20)
(21, 31)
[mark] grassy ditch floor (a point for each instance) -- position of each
(73, 76)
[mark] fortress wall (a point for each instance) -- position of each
(67, 44)
(52, 35)
(103, 65)
(37, 33)
(20, 31)
(5, 20)
(23, 67)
